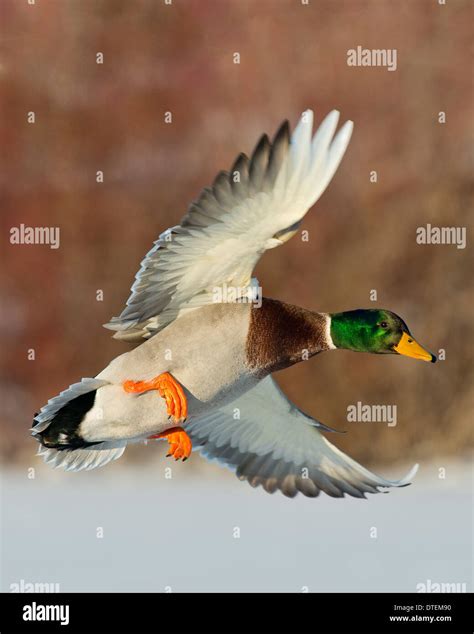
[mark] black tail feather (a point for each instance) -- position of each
(63, 431)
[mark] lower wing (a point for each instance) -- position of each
(269, 442)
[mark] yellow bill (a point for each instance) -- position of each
(411, 348)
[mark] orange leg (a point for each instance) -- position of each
(179, 441)
(168, 388)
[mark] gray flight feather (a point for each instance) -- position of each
(277, 446)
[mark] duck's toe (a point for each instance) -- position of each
(168, 388)
(180, 445)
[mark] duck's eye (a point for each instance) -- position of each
(383, 324)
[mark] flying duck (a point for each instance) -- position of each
(202, 376)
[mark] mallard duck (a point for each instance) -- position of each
(210, 342)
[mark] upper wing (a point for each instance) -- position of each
(256, 206)
(275, 445)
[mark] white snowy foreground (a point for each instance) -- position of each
(131, 529)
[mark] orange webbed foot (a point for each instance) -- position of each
(179, 441)
(168, 388)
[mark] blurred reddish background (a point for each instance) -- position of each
(179, 58)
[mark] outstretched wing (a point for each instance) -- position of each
(276, 445)
(254, 207)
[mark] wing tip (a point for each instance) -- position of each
(349, 124)
(407, 480)
(307, 116)
(347, 129)
(332, 118)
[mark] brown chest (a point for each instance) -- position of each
(282, 334)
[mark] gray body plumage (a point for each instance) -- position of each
(204, 350)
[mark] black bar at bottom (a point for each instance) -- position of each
(205, 612)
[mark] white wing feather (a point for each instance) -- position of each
(253, 208)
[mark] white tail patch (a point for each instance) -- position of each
(83, 459)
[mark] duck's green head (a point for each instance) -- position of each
(375, 330)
